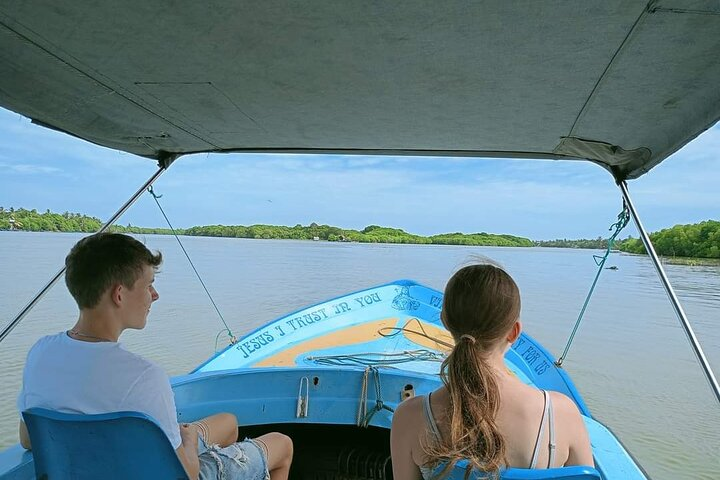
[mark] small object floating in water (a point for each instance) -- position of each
(611, 267)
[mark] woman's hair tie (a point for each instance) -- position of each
(468, 337)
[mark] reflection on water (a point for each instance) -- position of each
(630, 359)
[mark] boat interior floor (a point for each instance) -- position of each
(333, 451)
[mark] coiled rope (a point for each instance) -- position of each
(372, 359)
(422, 333)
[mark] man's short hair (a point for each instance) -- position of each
(98, 262)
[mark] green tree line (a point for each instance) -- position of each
(594, 243)
(32, 220)
(699, 240)
(370, 234)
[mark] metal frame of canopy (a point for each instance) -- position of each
(679, 311)
(424, 78)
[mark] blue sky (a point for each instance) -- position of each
(43, 169)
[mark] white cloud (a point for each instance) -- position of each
(28, 169)
(21, 141)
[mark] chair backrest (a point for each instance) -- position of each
(564, 473)
(110, 446)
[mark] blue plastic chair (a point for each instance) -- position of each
(564, 473)
(118, 445)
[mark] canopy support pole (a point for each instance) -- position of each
(684, 322)
(163, 164)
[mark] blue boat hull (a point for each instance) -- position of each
(339, 368)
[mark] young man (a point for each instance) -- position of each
(85, 369)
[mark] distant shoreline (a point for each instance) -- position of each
(685, 261)
(697, 239)
(691, 261)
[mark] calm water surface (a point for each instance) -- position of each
(630, 360)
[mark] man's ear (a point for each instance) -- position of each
(117, 292)
(514, 332)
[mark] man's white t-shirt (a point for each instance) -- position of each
(72, 376)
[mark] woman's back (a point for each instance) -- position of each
(519, 421)
(484, 413)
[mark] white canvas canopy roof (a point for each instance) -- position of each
(619, 82)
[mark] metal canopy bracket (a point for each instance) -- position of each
(684, 322)
(617, 160)
(165, 159)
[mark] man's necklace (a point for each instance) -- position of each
(84, 335)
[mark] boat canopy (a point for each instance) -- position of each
(622, 83)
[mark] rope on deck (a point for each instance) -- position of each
(373, 359)
(422, 333)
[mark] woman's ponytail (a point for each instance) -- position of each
(474, 399)
(480, 306)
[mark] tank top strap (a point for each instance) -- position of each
(429, 417)
(551, 430)
(536, 450)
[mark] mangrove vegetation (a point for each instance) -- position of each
(370, 234)
(597, 243)
(700, 240)
(32, 220)
(697, 240)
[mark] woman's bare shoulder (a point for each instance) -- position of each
(568, 415)
(564, 405)
(409, 408)
(406, 422)
(571, 422)
(409, 416)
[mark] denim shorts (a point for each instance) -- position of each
(242, 460)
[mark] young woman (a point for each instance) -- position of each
(483, 413)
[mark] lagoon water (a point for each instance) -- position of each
(630, 360)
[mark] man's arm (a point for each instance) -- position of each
(187, 452)
(152, 395)
(24, 436)
(219, 429)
